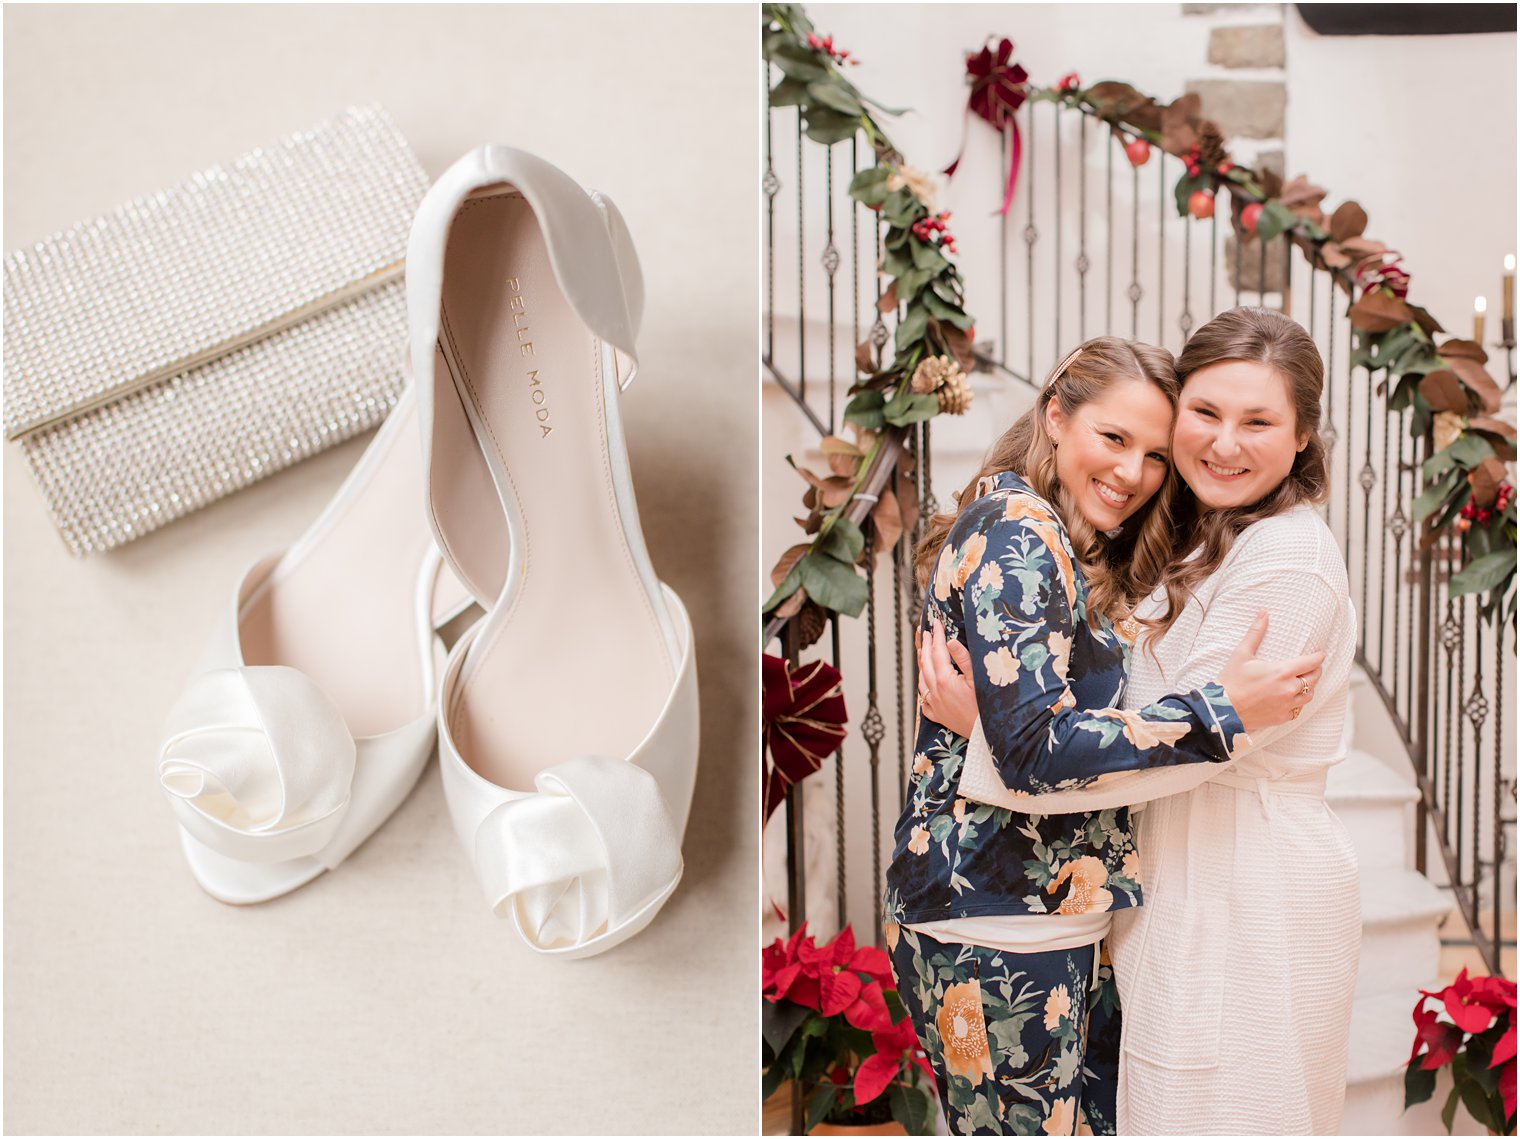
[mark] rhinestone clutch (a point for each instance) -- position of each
(194, 341)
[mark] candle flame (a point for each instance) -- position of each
(1480, 306)
(1509, 262)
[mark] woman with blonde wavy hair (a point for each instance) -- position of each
(1238, 974)
(993, 918)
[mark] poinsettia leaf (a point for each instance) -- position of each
(913, 1108)
(837, 992)
(779, 1020)
(822, 1101)
(1419, 1085)
(873, 1076)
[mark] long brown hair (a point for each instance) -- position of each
(1258, 336)
(1121, 571)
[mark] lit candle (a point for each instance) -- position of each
(1480, 306)
(1509, 287)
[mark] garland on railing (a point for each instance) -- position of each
(1451, 395)
(931, 348)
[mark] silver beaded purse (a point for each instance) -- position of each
(194, 341)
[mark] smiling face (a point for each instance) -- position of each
(1112, 452)
(1236, 433)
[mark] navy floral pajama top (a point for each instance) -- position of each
(1048, 686)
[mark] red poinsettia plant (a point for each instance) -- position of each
(1476, 1039)
(833, 1022)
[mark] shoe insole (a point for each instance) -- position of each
(576, 662)
(342, 608)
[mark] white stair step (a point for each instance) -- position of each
(1377, 808)
(1402, 897)
(1401, 945)
(1375, 732)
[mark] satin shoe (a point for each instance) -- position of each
(568, 715)
(312, 713)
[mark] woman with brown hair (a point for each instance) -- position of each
(993, 918)
(1237, 976)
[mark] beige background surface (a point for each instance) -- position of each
(384, 997)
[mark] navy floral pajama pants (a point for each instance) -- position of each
(1020, 1043)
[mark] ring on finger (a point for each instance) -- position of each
(1295, 713)
(1304, 691)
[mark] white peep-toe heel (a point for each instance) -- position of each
(312, 713)
(568, 715)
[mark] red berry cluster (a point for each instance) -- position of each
(1193, 157)
(925, 229)
(1472, 512)
(1068, 82)
(826, 44)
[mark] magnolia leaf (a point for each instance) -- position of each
(1486, 393)
(1485, 481)
(830, 126)
(910, 407)
(1470, 450)
(1114, 99)
(842, 539)
(1301, 194)
(907, 491)
(833, 93)
(1435, 495)
(788, 562)
(833, 584)
(1459, 349)
(1379, 311)
(1360, 247)
(1179, 131)
(786, 587)
(888, 300)
(886, 520)
(1275, 218)
(789, 92)
(1349, 220)
(843, 456)
(911, 328)
(868, 182)
(864, 410)
(833, 491)
(1498, 433)
(1444, 392)
(1271, 185)
(1423, 318)
(928, 258)
(957, 342)
(1331, 256)
(865, 357)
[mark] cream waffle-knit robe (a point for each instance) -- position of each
(1236, 975)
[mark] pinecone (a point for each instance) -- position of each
(932, 373)
(812, 623)
(955, 394)
(1211, 146)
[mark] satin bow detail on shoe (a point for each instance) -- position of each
(587, 854)
(258, 763)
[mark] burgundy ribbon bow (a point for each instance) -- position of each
(804, 718)
(997, 90)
